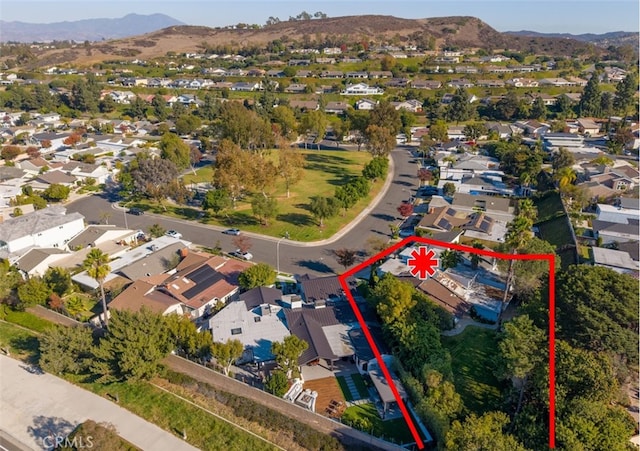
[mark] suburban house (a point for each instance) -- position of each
(55, 177)
(336, 107)
(153, 254)
(256, 327)
(84, 171)
(361, 89)
(617, 260)
(36, 261)
(321, 291)
(327, 337)
(95, 235)
(49, 227)
(616, 232)
(201, 281)
(588, 127)
(366, 104)
(143, 294)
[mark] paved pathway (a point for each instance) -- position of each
(462, 325)
(35, 406)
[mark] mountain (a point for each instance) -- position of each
(85, 30)
(457, 32)
(615, 38)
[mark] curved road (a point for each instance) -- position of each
(295, 257)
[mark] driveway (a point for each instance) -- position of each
(298, 258)
(36, 407)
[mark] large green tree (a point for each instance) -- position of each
(65, 350)
(590, 102)
(174, 149)
(260, 275)
(626, 93)
(484, 433)
(323, 208)
(288, 352)
(227, 353)
(133, 348)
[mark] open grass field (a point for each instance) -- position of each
(324, 171)
(472, 354)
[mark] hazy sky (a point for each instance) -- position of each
(571, 16)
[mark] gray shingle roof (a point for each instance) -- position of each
(261, 295)
(307, 324)
(34, 257)
(36, 222)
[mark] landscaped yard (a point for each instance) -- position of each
(554, 226)
(472, 354)
(358, 380)
(324, 171)
(344, 387)
(365, 417)
(549, 206)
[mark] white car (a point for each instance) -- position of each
(174, 234)
(243, 255)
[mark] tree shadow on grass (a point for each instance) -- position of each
(27, 345)
(187, 212)
(316, 266)
(46, 430)
(297, 219)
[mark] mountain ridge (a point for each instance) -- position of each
(97, 29)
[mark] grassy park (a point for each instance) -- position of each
(472, 354)
(324, 171)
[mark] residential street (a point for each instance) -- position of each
(36, 406)
(314, 258)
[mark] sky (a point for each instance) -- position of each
(562, 16)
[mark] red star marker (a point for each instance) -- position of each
(423, 263)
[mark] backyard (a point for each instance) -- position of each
(324, 171)
(472, 354)
(366, 418)
(554, 227)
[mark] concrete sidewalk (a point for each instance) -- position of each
(36, 406)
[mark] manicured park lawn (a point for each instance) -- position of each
(324, 171)
(472, 354)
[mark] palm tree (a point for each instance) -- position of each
(565, 176)
(476, 258)
(527, 208)
(97, 265)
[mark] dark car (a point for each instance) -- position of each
(136, 211)
(232, 232)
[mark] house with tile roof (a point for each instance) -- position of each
(143, 294)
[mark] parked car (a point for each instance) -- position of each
(232, 232)
(136, 211)
(174, 234)
(243, 255)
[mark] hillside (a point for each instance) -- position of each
(443, 31)
(84, 30)
(604, 40)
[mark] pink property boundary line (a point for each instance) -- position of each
(550, 258)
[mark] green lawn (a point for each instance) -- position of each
(324, 171)
(172, 414)
(549, 206)
(28, 320)
(344, 387)
(21, 343)
(360, 385)
(472, 354)
(557, 232)
(365, 417)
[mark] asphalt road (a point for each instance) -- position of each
(296, 258)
